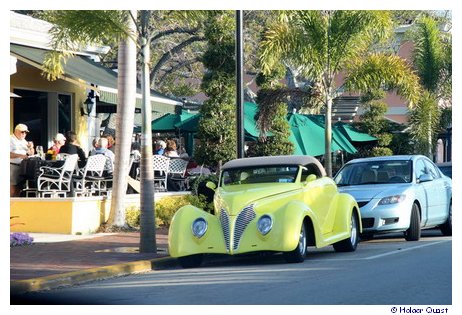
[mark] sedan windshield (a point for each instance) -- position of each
(375, 172)
(254, 175)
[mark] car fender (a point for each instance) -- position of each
(345, 204)
(292, 217)
(182, 242)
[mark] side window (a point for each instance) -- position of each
(432, 170)
(419, 169)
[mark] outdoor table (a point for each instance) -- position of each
(30, 169)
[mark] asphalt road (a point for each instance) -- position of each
(383, 271)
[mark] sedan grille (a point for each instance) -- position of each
(224, 219)
(243, 219)
(367, 222)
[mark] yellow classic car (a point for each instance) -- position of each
(276, 204)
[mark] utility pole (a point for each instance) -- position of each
(239, 84)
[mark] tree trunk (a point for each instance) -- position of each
(328, 135)
(147, 219)
(126, 86)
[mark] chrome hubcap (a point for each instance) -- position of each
(354, 230)
(302, 241)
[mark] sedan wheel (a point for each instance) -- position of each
(413, 232)
(349, 244)
(446, 228)
(299, 253)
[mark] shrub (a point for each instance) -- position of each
(166, 208)
(132, 216)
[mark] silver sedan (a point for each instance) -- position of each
(398, 194)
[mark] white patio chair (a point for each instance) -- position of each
(55, 182)
(177, 171)
(90, 179)
(160, 165)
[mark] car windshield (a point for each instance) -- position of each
(375, 172)
(259, 174)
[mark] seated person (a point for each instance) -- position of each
(102, 149)
(72, 147)
(58, 142)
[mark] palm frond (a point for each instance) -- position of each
(388, 72)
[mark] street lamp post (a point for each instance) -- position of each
(239, 84)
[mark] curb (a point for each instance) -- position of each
(81, 276)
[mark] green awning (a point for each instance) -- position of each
(353, 134)
(168, 121)
(79, 68)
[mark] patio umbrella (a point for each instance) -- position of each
(352, 133)
(167, 122)
(307, 134)
(191, 124)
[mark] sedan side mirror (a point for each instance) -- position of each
(211, 185)
(425, 178)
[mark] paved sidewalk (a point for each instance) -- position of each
(56, 260)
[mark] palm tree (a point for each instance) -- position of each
(430, 60)
(329, 44)
(79, 28)
(84, 27)
(76, 27)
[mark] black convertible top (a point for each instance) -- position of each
(274, 160)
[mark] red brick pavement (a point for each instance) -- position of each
(45, 259)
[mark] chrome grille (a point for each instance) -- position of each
(224, 219)
(245, 216)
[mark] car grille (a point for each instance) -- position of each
(367, 222)
(242, 221)
(224, 219)
(362, 203)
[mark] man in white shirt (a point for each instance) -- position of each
(20, 149)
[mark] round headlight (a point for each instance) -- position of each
(264, 224)
(199, 227)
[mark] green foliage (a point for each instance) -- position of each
(374, 123)
(384, 139)
(325, 44)
(373, 120)
(132, 216)
(216, 130)
(428, 52)
(278, 143)
(195, 182)
(166, 208)
(400, 144)
(424, 121)
(381, 151)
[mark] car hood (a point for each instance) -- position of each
(235, 198)
(368, 192)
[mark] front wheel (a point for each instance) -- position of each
(413, 232)
(446, 228)
(299, 253)
(349, 244)
(190, 261)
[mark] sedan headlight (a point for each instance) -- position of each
(264, 224)
(199, 227)
(392, 199)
